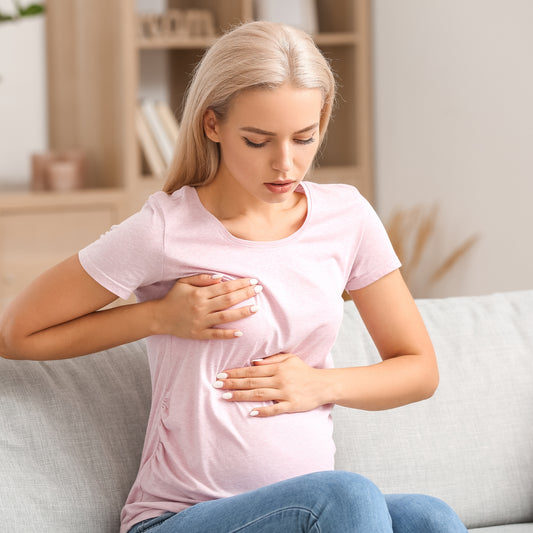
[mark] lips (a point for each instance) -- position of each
(279, 187)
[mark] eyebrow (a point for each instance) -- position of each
(271, 134)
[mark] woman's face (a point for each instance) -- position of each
(267, 141)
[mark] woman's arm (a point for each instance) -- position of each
(58, 315)
(408, 372)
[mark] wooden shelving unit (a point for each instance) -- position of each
(344, 38)
(94, 55)
(38, 230)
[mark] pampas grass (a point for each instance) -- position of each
(411, 231)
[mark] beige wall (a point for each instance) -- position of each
(453, 107)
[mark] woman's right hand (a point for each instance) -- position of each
(195, 305)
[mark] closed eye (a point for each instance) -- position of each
(253, 145)
(248, 142)
(305, 141)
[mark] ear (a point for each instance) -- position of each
(211, 125)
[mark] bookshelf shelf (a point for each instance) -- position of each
(199, 43)
(165, 43)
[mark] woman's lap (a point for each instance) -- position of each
(323, 502)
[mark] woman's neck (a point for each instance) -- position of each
(248, 218)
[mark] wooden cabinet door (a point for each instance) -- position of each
(31, 242)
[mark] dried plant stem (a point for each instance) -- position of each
(426, 228)
(410, 231)
(453, 258)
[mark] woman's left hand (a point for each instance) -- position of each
(284, 379)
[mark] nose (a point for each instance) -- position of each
(282, 161)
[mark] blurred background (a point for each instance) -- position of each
(434, 124)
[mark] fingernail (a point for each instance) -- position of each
(254, 308)
(256, 360)
(227, 396)
(217, 276)
(258, 289)
(253, 281)
(238, 334)
(254, 413)
(222, 375)
(218, 384)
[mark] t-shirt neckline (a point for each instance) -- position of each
(223, 231)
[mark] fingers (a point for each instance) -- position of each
(272, 410)
(283, 379)
(224, 317)
(253, 384)
(232, 285)
(231, 315)
(227, 297)
(213, 302)
(221, 307)
(219, 296)
(220, 287)
(218, 333)
(201, 280)
(278, 358)
(244, 384)
(251, 377)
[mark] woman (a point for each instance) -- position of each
(238, 267)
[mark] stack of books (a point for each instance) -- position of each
(157, 131)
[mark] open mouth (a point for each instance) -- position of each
(280, 186)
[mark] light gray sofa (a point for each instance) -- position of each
(71, 432)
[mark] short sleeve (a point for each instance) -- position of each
(130, 254)
(374, 256)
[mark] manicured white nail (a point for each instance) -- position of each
(256, 360)
(254, 308)
(217, 276)
(238, 334)
(222, 375)
(218, 384)
(254, 413)
(253, 281)
(227, 396)
(258, 288)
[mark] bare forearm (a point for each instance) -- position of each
(392, 383)
(90, 333)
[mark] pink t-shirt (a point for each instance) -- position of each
(198, 446)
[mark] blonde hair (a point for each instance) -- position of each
(253, 55)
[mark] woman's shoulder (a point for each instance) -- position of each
(337, 199)
(335, 192)
(164, 204)
(163, 199)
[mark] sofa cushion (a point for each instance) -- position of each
(471, 444)
(509, 528)
(70, 440)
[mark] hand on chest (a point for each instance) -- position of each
(300, 301)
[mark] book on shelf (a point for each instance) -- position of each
(168, 120)
(157, 130)
(163, 141)
(148, 145)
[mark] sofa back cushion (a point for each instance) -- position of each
(71, 434)
(471, 444)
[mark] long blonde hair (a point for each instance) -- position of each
(253, 55)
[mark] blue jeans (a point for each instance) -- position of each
(323, 502)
